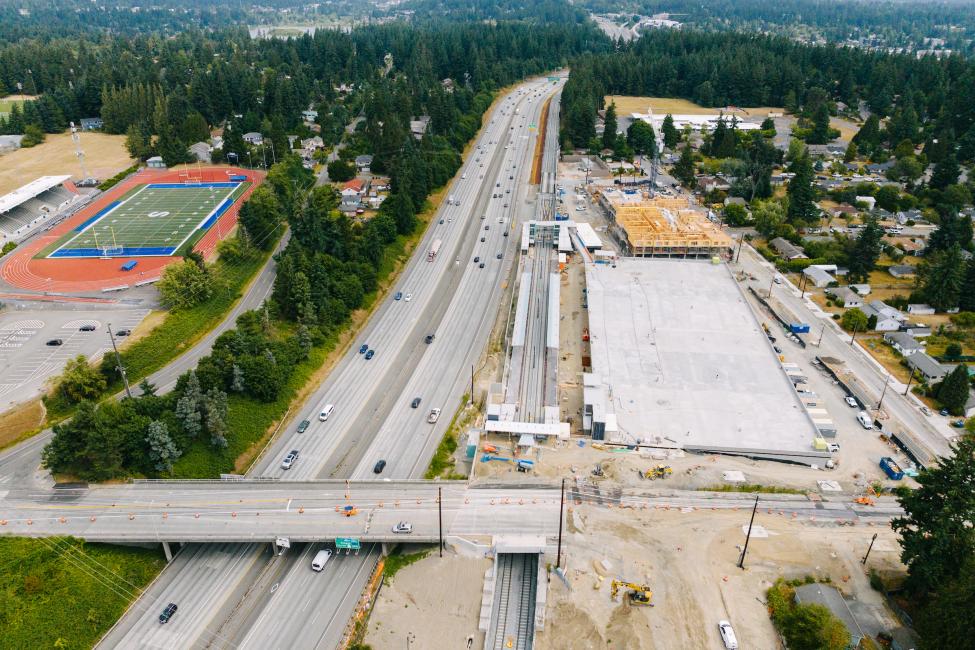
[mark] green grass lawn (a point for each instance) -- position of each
(64, 593)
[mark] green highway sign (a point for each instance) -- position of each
(347, 542)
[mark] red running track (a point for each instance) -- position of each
(61, 275)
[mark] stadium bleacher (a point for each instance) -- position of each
(33, 205)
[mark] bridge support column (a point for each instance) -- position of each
(167, 551)
(387, 548)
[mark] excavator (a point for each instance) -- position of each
(638, 594)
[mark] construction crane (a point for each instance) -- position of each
(638, 594)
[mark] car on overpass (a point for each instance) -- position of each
(403, 527)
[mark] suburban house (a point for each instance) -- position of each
(735, 200)
(868, 201)
(363, 162)
(844, 210)
(888, 318)
(313, 144)
(926, 366)
(200, 151)
(880, 168)
(920, 310)
(848, 296)
(830, 598)
(353, 191)
(817, 276)
(918, 331)
(309, 115)
(913, 247)
(91, 123)
(419, 126)
(902, 271)
(712, 183)
(909, 215)
(254, 138)
(862, 289)
(786, 249)
(903, 343)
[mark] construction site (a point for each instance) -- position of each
(661, 226)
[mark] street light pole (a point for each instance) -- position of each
(748, 536)
(854, 336)
(869, 548)
(909, 379)
(118, 361)
(558, 556)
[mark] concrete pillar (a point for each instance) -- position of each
(387, 548)
(167, 551)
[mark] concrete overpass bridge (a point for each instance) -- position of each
(263, 511)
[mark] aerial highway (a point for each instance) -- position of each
(373, 394)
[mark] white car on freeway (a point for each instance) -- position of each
(408, 297)
(406, 528)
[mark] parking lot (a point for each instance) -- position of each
(27, 361)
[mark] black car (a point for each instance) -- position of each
(481, 265)
(499, 255)
(123, 332)
(54, 342)
(415, 403)
(168, 613)
(428, 339)
(87, 328)
(482, 239)
(476, 260)
(379, 467)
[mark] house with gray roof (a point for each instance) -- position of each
(904, 343)
(902, 271)
(926, 366)
(817, 276)
(848, 296)
(787, 249)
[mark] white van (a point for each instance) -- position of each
(327, 411)
(321, 559)
(864, 420)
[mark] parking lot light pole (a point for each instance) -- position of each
(118, 361)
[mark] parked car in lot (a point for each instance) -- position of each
(958, 424)
(404, 527)
(925, 410)
(54, 342)
(943, 412)
(167, 613)
(290, 459)
(303, 426)
(123, 332)
(87, 328)
(727, 635)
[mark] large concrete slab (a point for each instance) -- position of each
(686, 362)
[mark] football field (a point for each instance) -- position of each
(155, 219)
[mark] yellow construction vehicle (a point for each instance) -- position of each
(660, 471)
(638, 594)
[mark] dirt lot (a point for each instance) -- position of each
(627, 104)
(442, 617)
(105, 156)
(688, 560)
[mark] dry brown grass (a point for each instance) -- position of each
(886, 355)
(627, 104)
(105, 156)
(143, 329)
(23, 419)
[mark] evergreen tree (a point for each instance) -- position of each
(820, 133)
(966, 300)
(802, 206)
(609, 133)
(944, 278)
(670, 132)
(162, 450)
(945, 173)
(866, 251)
(641, 138)
(684, 168)
(188, 406)
(851, 152)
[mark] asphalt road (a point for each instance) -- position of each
(452, 298)
(365, 393)
(904, 412)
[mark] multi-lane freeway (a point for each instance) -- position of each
(451, 296)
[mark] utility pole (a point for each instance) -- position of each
(771, 283)
(118, 361)
(472, 384)
(802, 285)
(821, 332)
(558, 556)
(881, 402)
(854, 336)
(909, 379)
(741, 241)
(440, 516)
(741, 559)
(869, 548)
